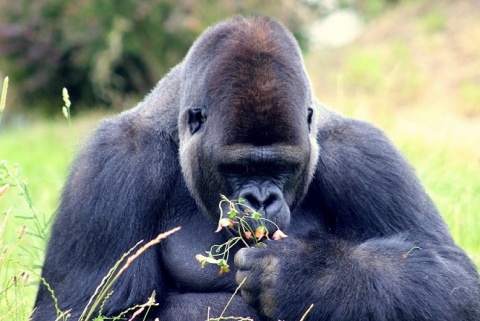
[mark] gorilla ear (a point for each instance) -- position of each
(196, 118)
(309, 117)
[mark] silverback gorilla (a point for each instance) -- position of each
(237, 117)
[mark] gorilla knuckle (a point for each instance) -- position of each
(242, 260)
(248, 296)
(242, 277)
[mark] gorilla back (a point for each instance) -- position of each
(237, 117)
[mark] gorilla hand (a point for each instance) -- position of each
(285, 278)
(275, 278)
(258, 268)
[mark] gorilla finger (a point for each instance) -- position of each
(241, 260)
(247, 257)
(248, 297)
(247, 279)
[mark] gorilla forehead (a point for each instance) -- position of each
(254, 94)
(254, 81)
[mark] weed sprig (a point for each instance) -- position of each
(239, 215)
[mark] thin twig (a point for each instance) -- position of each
(231, 298)
(307, 312)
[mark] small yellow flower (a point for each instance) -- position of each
(261, 232)
(248, 235)
(225, 222)
(4, 189)
(224, 269)
(279, 235)
(205, 259)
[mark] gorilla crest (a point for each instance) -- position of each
(237, 117)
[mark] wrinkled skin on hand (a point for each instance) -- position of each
(259, 272)
(262, 271)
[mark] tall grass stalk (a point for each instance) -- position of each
(66, 107)
(3, 97)
(17, 261)
(103, 290)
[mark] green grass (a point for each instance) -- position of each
(380, 81)
(44, 151)
(453, 181)
(38, 156)
(434, 21)
(470, 92)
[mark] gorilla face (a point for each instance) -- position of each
(245, 125)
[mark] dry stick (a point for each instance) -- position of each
(105, 283)
(231, 298)
(148, 304)
(306, 312)
(221, 317)
(140, 251)
(4, 189)
(3, 97)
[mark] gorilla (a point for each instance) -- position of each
(237, 117)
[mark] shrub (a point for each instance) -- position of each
(109, 49)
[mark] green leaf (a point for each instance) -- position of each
(256, 216)
(233, 213)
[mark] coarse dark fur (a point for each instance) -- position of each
(237, 117)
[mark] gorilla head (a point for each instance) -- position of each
(245, 120)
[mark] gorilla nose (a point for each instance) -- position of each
(266, 200)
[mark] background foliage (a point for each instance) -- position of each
(414, 72)
(106, 50)
(110, 50)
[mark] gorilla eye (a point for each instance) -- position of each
(196, 117)
(309, 118)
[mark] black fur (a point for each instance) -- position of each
(237, 117)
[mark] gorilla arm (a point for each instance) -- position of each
(380, 279)
(112, 200)
(383, 252)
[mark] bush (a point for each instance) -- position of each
(110, 49)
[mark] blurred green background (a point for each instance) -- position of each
(413, 69)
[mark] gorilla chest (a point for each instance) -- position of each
(184, 272)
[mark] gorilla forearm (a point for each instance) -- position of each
(380, 279)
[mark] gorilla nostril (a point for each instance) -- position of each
(260, 202)
(271, 198)
(253, 201)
